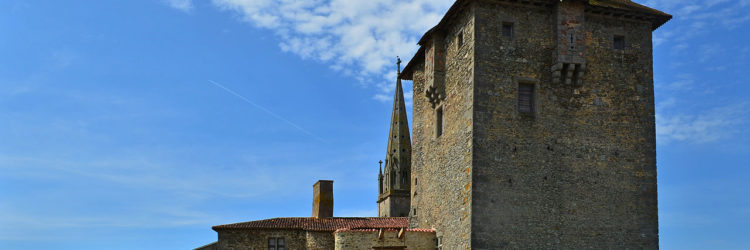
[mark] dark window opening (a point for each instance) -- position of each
(276, 244)
(526, 98)
(508, 29)
(460, 39)
(415, 212)
(619, 42)
(439, 122)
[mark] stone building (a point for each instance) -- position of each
(322, 231)
(533, 127)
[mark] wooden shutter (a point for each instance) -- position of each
(525, 98)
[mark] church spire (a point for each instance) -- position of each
(399, 141)
(397, 172)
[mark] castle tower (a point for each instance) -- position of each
(533, 126)
(395, 182)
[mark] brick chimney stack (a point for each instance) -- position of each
(323, 199)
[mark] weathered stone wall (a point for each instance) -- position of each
(395, 205)
(580, 172)
(319, 240)
(258, 239)
(366, 240)
(441, 167)
(211, 246)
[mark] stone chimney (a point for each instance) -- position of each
(323, 199)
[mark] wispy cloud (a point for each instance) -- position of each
(360, 38)
(696, 15)
(267, 111)
(182, 5)
(700, 127)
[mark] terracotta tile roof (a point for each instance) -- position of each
(389, 229)
(319, 224)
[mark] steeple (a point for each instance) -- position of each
(397, 175)
(380, 177)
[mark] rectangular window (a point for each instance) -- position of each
(438, 122)
(276, 244)
(508, 29)
(619, 42)
(460, 39)
(526, 98)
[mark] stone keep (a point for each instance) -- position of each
(534, 126)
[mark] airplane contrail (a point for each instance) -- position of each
(264, 109)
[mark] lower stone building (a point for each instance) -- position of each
(322, 230)
(391, 239)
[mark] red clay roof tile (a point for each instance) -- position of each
(319, 224)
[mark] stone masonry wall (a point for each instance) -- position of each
(441, 167)
(395, 205)
(366, 240)
(580, 172)
(258, 239)
(319, 240)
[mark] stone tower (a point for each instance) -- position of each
(395, 183)
(534, 125)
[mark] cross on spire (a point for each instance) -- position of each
(398, 62)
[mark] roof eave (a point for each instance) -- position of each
(408, 72)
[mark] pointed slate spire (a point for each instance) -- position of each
(398, 157)
(394, 199)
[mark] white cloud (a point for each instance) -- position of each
(382, 97)
(360, 38)
(703, 127)
(183, 5)
(695, 17)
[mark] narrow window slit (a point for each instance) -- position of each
(439, 122)
(526, 98)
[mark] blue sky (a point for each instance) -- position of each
(140, 124)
